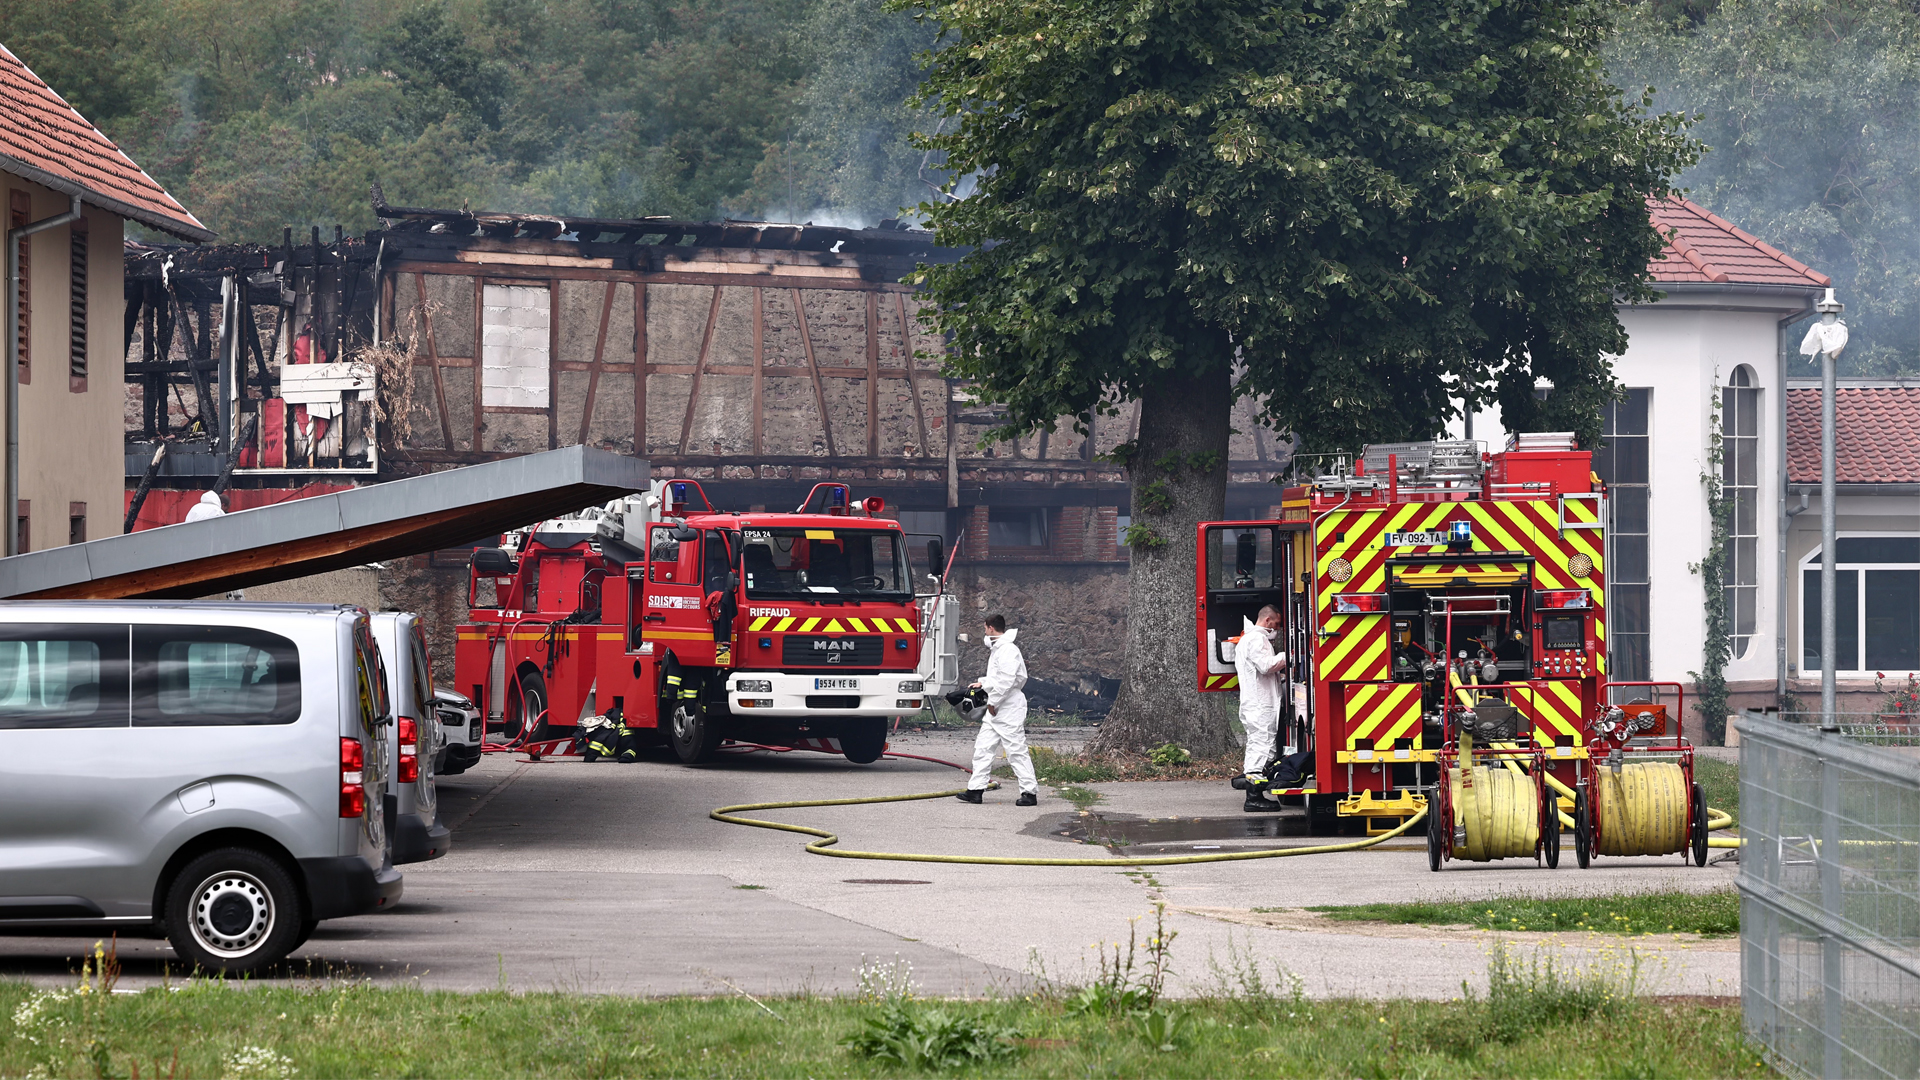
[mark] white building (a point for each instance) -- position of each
(1716, 334)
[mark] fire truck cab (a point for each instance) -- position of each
(693, 626)
(1423, 586)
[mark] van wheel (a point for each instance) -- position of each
(233, 911)
(527, 706)
(695, 737)
(864, 739)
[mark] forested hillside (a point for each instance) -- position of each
(263, 114)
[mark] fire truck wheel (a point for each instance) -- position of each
(527, 707)
(1699, 837)
(1323, 815)
(864, 739)
(1582, 830)
(694, 735)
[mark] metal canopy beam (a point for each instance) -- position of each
(326, 532)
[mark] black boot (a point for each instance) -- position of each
(1259, 804)
(1027, 798)
(970, 795)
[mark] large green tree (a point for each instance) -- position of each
(1362, 212)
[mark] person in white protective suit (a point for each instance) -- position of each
(1004, 723)
(1262, 683)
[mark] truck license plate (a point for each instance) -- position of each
(836, 684)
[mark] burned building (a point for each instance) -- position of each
(757, 358)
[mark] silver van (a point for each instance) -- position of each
(214, 769)
(414, 741)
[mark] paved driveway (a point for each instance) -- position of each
(611, 878)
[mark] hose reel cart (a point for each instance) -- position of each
(1492, 800)
(1638, 795)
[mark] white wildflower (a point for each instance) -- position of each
(259, 1063)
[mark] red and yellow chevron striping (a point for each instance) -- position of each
(1380, 713)
(1553, 707)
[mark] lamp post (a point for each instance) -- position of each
(1826, 338)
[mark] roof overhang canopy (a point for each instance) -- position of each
(326, 532)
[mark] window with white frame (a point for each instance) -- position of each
(1740, 486)
(1876, 626)
(514, 345)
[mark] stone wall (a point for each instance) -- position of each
(435, 588)
(1072, 617)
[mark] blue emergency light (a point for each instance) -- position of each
(1460, 532)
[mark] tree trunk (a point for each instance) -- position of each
(1179, 474)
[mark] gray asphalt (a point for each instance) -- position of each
(611, 878)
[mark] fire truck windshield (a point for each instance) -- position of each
(851, 562)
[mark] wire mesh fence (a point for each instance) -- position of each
(1830, 894)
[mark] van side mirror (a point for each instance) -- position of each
(684, 533)
(936, 557)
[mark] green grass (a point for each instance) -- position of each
(1712, 913)
(1721, 782)
(1053, 767)
(324, 1030)
(1080, 797)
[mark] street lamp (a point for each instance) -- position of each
(1826, 338)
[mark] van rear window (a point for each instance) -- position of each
(199, 676)
(63, 676)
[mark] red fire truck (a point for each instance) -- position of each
(1431, 589)
(695, 626)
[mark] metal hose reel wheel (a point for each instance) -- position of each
(1641, 808)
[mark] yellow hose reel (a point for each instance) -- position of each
(1640, 808)
(1493, 805)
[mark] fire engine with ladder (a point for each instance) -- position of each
(693, 626)
(1445, 622)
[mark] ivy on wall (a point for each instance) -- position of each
(1710, 683)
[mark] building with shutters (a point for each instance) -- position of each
(73, 336)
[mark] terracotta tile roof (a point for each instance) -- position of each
(47, 141)
(1705, 248)
(1877, 440)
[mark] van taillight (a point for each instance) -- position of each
(409, 750)
(353, 779)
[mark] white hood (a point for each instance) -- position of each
(1248, 626)
(1008, 636)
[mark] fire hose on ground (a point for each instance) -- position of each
(826, 843)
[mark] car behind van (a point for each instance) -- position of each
(414, 741)
(215, 769)
(463, 730)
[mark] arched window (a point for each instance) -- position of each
(1740, 486)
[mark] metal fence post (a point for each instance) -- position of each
(1832, 959)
